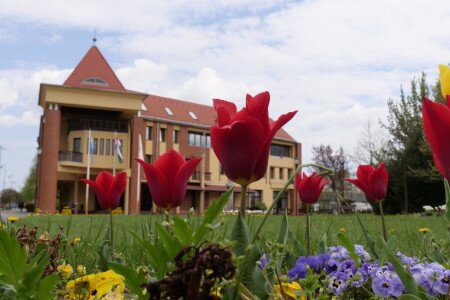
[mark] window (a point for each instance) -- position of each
(102, 146)
(272, 173)
(221, 170)
(148, 158)
(168, 111)
(148, 132)
(197, 138)
(280, 150)
(281, 173)
(175, 137)
(94, 148)
(76, 145)
(95, 81)
(162, 134)
(108, 147)
(193, 116)
(289, 172)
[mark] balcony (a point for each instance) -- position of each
(71, 156)
(99, 125)
(196, 176)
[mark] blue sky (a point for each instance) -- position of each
(337, 62)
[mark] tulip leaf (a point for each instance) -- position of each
(406, 278)
(182, 230)
(133, 280)
(284, 228)
(211, 214)
(171, 244)
(447, 197)
(241, 234)
(348, 244)
(301, 250)
(369, 239)
(12, 259)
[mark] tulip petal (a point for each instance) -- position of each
(238, 147)
(225, 111)
(363, 187)
(116, 190)
(169, 163)
(436, 124)
(258, 107)
(363, 172)
(444, 76)
(157, 183)
(179, 185)
(263, 159)
(378, 182)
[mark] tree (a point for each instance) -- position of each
(9, 195)
(369, 145)
(412, 180)
(336, 161)
(27, 192)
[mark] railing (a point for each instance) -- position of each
(99, 125)
(197, 176)
(70, 156)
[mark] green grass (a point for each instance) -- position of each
(405, 228)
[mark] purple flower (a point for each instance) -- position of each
(264, 259)
(348, 267)
(359, 278)
(314, 264)
(407, 260)
(362, 253)
(442, 282)
(387, 283)
(299, 270)
(337, 282)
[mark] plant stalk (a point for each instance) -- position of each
(382, 220)
(111, 231)
(243, 199)
(308, 230)
(280, 193)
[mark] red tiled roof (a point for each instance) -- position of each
(94, 66)
(205, 114)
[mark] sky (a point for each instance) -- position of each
(336, 62)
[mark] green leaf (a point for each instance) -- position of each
(45, 287)
(406, 278)
(284, 228)
(301, 250)
(33, 273)
(12, 259)
(182, 230)
(369, 239)
(447, 196)
(133, 280)
(350, 248)
(323, 244)
(241, 234)
(211, 214)
(408, 297)
(171, 244)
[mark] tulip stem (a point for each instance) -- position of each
(111, 231)
(280, 194)
(308, 228)
(382, 220)
(243, 199)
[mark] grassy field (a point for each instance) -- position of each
(405, 228)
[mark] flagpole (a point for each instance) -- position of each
(114, 153)
(88, 174)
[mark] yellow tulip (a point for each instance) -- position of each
(444, 76)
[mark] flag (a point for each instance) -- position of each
(91, 149)
(119, 150)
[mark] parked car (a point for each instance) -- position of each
(362, 207)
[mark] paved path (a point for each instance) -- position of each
(12, 212)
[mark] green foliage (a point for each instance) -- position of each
(20, 279)
(413, 179)
(9, 195)
(27, 193)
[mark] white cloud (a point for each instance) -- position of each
(27, 118)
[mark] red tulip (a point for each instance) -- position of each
(436, 123)
(108, 188)
(241, 139)
(167, 179)
(372, 182)
(310, 187)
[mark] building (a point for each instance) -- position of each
(92, 99)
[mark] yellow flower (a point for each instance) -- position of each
(13, 219)
(81, 270)
(65, 270)
(444, 76)
(2, 226)
(75, 241)
(288, 289)
(117, 211)
(66, 211)
(95, 286)
(424, 229)
(343, 230)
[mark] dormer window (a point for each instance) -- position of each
(168, 111)
(193, 116)
(95, 81)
